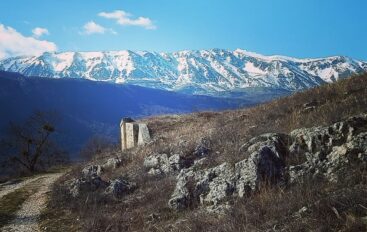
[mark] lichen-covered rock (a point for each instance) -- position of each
(323, 139)
(92, 170)
(329, 150)
(334, 163)
(181, 196)
(212, 187)
(158, 164)
(216, 184)
(119, 187)
(112, 163)
(324, 152)
(203, 148)
(78, 186)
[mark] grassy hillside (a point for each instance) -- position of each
(86, 108)
(228, 130)
(336, 206)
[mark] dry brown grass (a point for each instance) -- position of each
(146, 208)
(329, 207)
(228, 130)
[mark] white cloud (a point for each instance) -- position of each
(12, 43)
(39, 31)
(94, 28)
(124, 18)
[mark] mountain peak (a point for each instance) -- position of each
(195, 71)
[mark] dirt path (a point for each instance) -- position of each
(26, 218)
(11, 186)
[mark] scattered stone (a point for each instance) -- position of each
(112, 163)
(120, 187)
(203, 148)
(83, 185)
(301, 212)
(93, 170)
(159, 164)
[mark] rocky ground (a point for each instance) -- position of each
(295, 164)
(26, 217)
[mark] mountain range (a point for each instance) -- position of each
(92, 90)
(86, 108)
(205, 72)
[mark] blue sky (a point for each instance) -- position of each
(309, 28)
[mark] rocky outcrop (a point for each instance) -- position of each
(322, 152)
(329, 150)
(213, 186)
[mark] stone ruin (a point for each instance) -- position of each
(133, 134)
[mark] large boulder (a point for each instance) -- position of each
(210, 187)
(266, 162)
(213, 187)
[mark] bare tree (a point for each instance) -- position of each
(30, 144)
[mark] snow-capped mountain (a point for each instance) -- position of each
(199, 72)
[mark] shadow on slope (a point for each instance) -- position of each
(88, 107)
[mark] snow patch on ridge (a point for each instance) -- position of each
(202, 72)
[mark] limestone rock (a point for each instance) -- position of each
(92, 170)
(83, 185)
(112, 163)
(162, 164)
(212, 187)
(119, 187)
(322, 139)
(203, 148)
(180, 198)
(328, 152)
